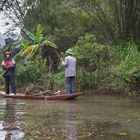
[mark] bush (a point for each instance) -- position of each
(91, 61)
(35, 72)
(128, 70)
(59, 80)
(115, 66)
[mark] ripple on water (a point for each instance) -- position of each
(92, 117)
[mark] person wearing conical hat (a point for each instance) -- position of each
(8, 65)
(70, 71)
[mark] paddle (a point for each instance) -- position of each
(3, 73)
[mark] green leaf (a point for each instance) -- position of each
(39, 34)
(34, 51)
(51, 44)
(18, 54)
(123, 133)
(29, 34)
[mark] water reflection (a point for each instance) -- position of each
(9, 117)
(71, 125)
(10, 129)
(97, 117)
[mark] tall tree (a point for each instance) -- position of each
(117, 20)
(111, 21)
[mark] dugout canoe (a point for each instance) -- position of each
(53, 97)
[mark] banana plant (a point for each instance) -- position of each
(35, 43)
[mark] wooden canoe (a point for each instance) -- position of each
(53, 97)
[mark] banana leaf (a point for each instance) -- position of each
(33, 51)
(18, 54)
(51, 44)
(27, 50)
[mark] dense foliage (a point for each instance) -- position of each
(126, 73)
(116, 66)
(105, 37)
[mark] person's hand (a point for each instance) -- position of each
(61, 59)
(7, 67)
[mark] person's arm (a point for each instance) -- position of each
(13, 64)
(64, 62)
(3, 66)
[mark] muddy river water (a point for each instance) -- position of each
(94, 117)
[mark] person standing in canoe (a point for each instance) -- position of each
(70, 71)
(8, 65)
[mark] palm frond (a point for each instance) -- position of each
(29, 34)
(33, 51)
(27, 50)
(51, 44)
(18, 54)
(39, 34)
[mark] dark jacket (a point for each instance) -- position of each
(8, 65)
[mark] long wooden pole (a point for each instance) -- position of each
(3, 73)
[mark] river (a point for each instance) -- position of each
(94, 117)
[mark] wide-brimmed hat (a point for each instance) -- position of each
(7, 53)
(69, 51)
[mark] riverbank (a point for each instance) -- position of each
(105, 89)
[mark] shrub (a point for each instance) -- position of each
(125, 73)
(128, 69)
(59, 80)
(35, 72)
(91, 58)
